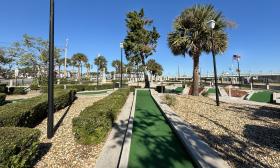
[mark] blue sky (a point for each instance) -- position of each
(98, 26)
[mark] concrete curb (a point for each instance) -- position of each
(112, 149)
(127, 141)
(201, 153)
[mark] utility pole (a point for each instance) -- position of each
(51, 73)
(65, 57)
(121, 46)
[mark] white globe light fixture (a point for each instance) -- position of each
(211, 24)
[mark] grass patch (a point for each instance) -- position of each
(263, 96)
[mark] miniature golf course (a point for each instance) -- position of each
(153, 143)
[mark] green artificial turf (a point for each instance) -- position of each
(154, 145)
(179, 90)
(211, 90)
(263, 96)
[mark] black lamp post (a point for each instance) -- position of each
(51, 72)
(211, 25)
(121, 46)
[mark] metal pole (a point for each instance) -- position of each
(51, 73)
(239, 74)
(121, 67)
(215, 71)
(65, 58)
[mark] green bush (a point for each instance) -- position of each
(132, 88)
(17, 90)
(160, 89)
(2, 98)
(93, 123)
(79, 87)
(30, 112)
(18, 146)
(3, 88)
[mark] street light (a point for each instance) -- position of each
(211, 25)
(237, 58)
(121, 46)
(51, 73)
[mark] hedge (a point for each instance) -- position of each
(93, 123)
(2, 98)
(18, 90)
(30, 112)
(3, 88)
(80, 87)
(18, 146)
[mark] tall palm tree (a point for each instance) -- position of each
(79, 58)
(101, 63)
(192, 36)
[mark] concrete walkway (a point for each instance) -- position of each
(112, 149)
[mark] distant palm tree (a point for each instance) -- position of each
(154, 68)
(117, 65)
(100, 62)
(192, 36)
(79, 58)
(60, 62)
(87, 65)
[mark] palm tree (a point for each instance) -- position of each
(117, 65)
(60, 62)
(192, 36)
(154, 68)
(79, 58)
(100, 62)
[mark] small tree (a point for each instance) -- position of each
(117, 65)
(140, 41)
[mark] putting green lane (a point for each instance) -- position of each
(153, 143)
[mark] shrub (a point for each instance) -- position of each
(93, 123)
(132, 88)
(160, 89)
(30, 112)
(2, 98)
(17, 90)
(170, 100)
(78, 88)
(18, 146)
(3, 88)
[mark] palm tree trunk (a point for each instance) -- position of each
(195, 75)
(79, 72)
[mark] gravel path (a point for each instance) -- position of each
(62, 150)
(244, 135)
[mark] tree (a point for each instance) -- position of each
(154, 68)
(140, 41)
(101, 63)
(192, 36)
(87, 65)
(79, 58)
(60, 62)
(117, 65)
